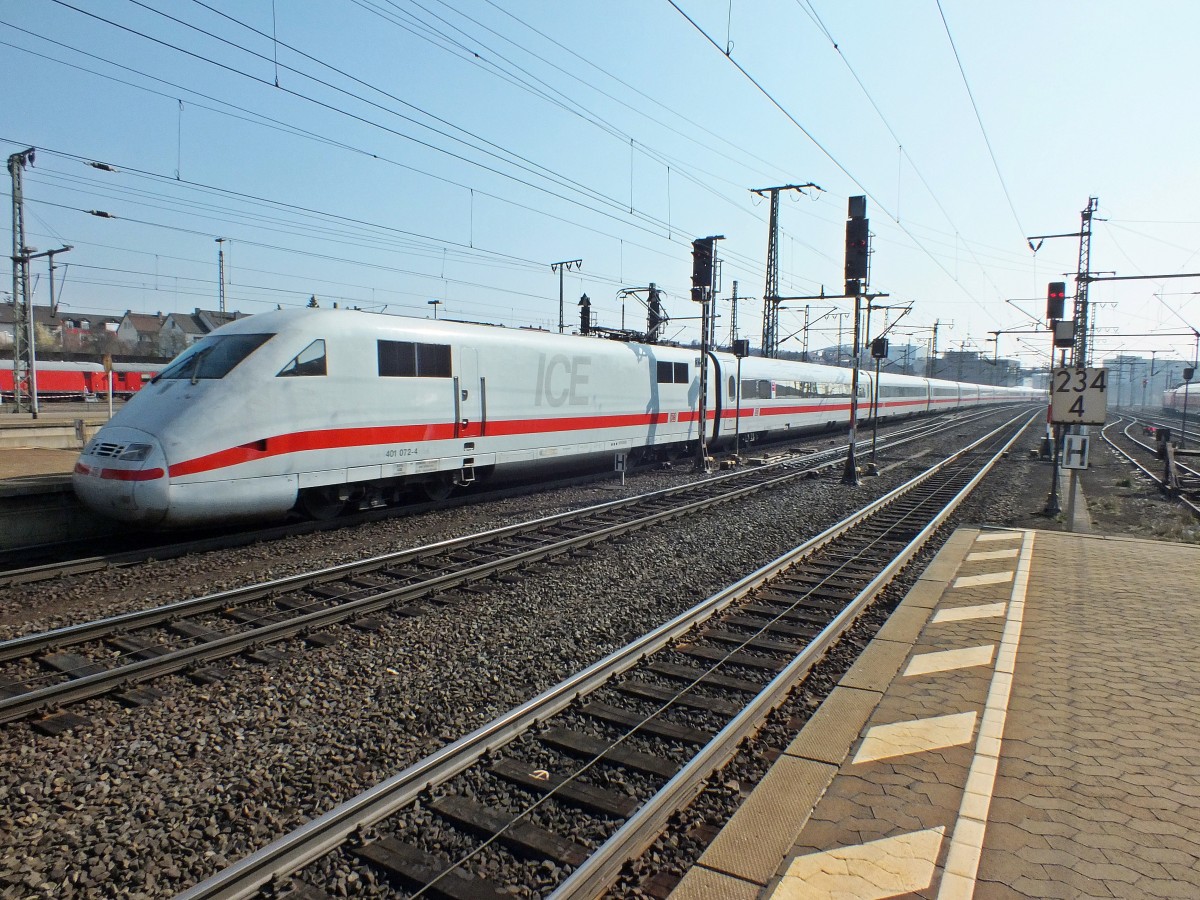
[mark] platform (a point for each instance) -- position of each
(1027, 724)
(37, 503)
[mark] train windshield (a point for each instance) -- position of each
(213, 357)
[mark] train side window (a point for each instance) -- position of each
(664, 373)
(405, 359)
(732, 386)
(681, 373)
(309, 361)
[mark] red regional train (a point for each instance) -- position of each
(58, 380)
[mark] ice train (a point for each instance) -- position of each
(316, 409)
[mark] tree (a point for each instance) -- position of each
(44, 338)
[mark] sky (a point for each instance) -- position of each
(385, 154)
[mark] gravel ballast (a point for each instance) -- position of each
(145, 802)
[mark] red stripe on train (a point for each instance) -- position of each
(359, 437)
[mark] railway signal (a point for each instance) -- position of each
(1056, 298)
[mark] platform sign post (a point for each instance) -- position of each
(108, 378)
(1078, 397)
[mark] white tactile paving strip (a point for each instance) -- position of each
(916, 736)
(984, 555)
(870, 871)
(948, 660)
(965, 613)
(966, 581)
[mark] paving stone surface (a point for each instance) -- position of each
(1102, 750)
(1082, 776)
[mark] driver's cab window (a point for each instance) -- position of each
(309, 361)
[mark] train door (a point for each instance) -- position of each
(469, 402)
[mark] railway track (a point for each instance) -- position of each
(62, 560)
(1147, 456)
(47, 672)
(558, 793)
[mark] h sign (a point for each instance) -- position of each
(1075, 451)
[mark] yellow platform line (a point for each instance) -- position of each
(980, 555)
(916, 736)
(1000, 536)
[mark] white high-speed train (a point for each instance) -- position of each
(317, 409)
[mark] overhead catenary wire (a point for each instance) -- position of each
(830, 156)
(749, 265)
(616, 205)
(979, 119)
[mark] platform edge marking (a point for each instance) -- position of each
(873, 870)
(986, 578)
(916, 736)
(948, 660)
(966, 843)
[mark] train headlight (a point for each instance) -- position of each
(136, 452)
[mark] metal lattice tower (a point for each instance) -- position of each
(23, 335)
(771, 298)
(770, 335)
(1081, 282)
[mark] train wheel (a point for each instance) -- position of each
(322, 503)
(437, 488)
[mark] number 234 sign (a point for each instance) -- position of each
(1078, 396)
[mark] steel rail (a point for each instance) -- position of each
(1153, 450)
(69, 635)
(1183, 501)
(85, 687)
(323, 834)
(30, 574)
(598, 873)
(99, 683)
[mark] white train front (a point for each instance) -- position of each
(319, 408)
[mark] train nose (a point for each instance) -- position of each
(122, 474)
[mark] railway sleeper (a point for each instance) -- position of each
(195, 631)
(523, 837)
(416, 867)
(750, 642)
(817, 599)
(703, 676)
(72, 664)
(786, 611)
(646, 691)
(656, 727)
(590, 747)
(567, 789)
(143, 696)
(137, 648)
(255, 615)
(302, 604)
(56, 723)
(771, 627)
(733, 658)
